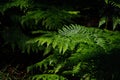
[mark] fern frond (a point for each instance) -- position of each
(69, 37)
(75, 70)
(69, 30)
(36, 15)
(116, 21)
(58, 67)
(106, 1)
(48, 17)
(15, 3)
(49, 61)
(73, 45)
(115, 3)
(102, 21)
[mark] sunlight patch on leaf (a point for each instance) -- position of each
(73, 12)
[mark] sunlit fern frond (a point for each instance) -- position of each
(71, 36)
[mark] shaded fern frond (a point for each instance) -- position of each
(75, 69)
(115, 3)
(51, 18)
(15, 3)
(116, 21)
(14, 37)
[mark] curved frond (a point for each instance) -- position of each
(116, 21)
(15, 3)
(102, 21)
(48, 17)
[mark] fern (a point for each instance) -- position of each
(67, 39)
(72, 46)
(111, 15)
(66, 52)
(15, 3)
(102, 21)
(50, 16)
(116, 21)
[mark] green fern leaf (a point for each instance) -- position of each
(76, 68)
(65, 47)
(102, 21)
(47, 51)
(116, 21)
(54, 44)
(73, 12)
(59, 66)
(115, 3)
(56, 41)
(106, 1)
(60, 46)
(16, 3)
(69, 30)
(33, 15)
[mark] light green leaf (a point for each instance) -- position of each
(66, 45)
(59, 66)
(56, 41)
(106, 1)
(47, 50)
(116, 21)
(102, 21)
(73, 12)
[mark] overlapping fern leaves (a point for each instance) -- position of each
(66, 49)
(14, 3)
(52, 18)
(69, 36)
(72, 45)
(111, 13)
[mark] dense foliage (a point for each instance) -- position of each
(59, 39)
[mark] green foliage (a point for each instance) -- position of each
(116, 21)
(48, 77)
(15, 3)
(72, 46)
(110, 14)
(69, 36)
(52, 18)
(69, 50)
